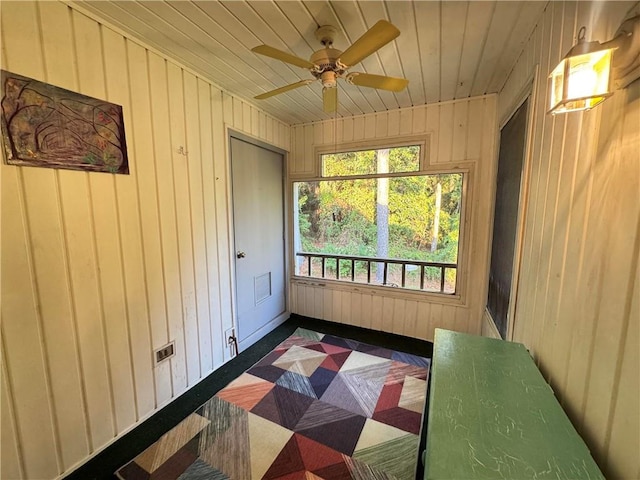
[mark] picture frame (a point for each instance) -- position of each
(47, 126)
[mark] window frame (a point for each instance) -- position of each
(426, 167)
(374, 144)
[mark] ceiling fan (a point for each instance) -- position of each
(328, 64)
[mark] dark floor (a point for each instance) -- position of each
(102, 466)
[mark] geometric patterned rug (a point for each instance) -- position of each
(316, 407)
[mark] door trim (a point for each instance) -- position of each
(230, 134)
(529, 91)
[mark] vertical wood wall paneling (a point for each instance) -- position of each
(143, 156)
(50, 257)
(203, 180)
(222, 103)
(570, 220)
(616, 170)
(10, 448)
(184, 363)
(577, 308)
(83, 243)
(445, 134)
(100, 269)
(133, 207)
(477, 217)
(410, 318)
(28, 375)
(557, 181)
(9, 443)
(625, 407)
(173, 165)
(406, 121)
(424, 328)
(418, 121)
(164, 173)
(432, 129)
(107, 241)
(210, 265)
(550, 143)
(625, 416)
(393, 123)
(461, 131)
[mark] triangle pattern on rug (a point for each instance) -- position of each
(398, 371)
(298, 383)
(392, 456)
(341, 435)
(301, 456)
(400, 418)
(226, 433)
(412, 396)
(321, 379)
(300, 360)
(289, 461)
(283, 406)
(269, 373)
(389, 397)
(200, 470)
(358, 360)
(317, 407)
(319, 413)
(266, 440)
(339, 394)
(365, 388)
(246, 391)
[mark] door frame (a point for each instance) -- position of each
(232, 133)
(529, 91)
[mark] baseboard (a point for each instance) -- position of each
(262, 331)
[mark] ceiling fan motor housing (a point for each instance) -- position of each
(326, 69)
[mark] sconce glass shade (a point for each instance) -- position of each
(582, 79)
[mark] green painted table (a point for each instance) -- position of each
(492, 415)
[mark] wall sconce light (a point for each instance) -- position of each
(586, 75)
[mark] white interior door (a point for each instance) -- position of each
(258, 212)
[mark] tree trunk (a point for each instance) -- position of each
(436, 218)
(382, 211)
(297, 239)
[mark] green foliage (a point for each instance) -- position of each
(339, 216)
(364, 162)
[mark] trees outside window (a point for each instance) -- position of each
(376, 204)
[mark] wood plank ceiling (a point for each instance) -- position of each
(447, 49)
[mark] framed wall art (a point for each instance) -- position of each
(48, 126)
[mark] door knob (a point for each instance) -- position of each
(241, 254)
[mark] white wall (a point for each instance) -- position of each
(98, 270)
(578, 308)
(461, 133)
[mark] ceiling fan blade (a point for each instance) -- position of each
(377, 81)
(286, 88)
(282, 56)
(373, 39)
(330, 99)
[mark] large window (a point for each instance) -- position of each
(374, 218)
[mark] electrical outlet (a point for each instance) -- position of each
(230, 341)
(165, 352)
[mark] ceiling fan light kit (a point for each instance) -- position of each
(329, 64)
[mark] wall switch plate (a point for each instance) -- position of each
(164, 352)
(230, 341)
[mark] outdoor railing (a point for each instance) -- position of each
(328, 260)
